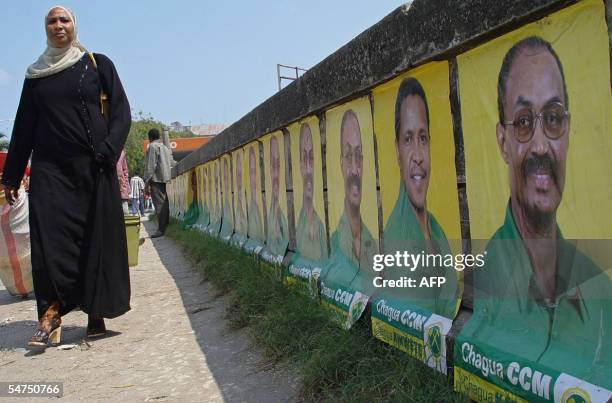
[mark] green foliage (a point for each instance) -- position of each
(4, 143)
(138, 133)
(335, 365)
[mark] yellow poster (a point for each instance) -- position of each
(352, 205)
(239, 196)
(536, 112)
(227, 226)
(578, 37)
(204, 217)
(216, 209)
(192, 211)
(307, 174)
(418, 184)
(255, 229)
(277, 236)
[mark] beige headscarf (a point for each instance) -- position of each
(54, 60)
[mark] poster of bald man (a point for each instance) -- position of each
(353, 211)
(277, 230)
(538, 108)
(240, 208)
(227, 226)
(420, 209)
(311, 237)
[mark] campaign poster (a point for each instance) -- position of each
(215, 203)
(171, 195)
(204, 217)
(255, 226)
(183, 194)
(536, 112)
(240, 206)
(346, 279)
(311, 251)
(227, 226)
(419, 287)
(192, 213)
(277, 231)
(207, 196)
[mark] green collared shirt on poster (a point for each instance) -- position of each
(192, 214)
(403, 233)
(277, 239)
(570, 334)
(313, 248)
(255, 230)
(343, 266)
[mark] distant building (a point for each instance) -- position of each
(209, 129)
(178, 127)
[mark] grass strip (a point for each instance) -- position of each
(335, 364)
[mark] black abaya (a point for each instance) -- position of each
(79, 253)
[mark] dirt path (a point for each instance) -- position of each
(173, 345)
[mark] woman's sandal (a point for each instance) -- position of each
(46, 335)
(95, 327)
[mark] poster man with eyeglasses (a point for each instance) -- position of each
(538, 296)
(352, 244)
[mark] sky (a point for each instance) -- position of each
(189, 61)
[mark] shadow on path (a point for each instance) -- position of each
(229, 354)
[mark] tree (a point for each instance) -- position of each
(4, 143)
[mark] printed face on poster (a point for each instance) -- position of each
(536, 121)
(277, 237)
(353, 211)
(307, 175)
(239, 192)
(418, 182)
(254, 194)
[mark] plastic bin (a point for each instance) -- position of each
(132, 232)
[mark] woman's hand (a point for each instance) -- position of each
(11, 194)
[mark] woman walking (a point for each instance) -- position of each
(79, 253)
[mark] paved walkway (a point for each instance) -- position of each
(174, 345)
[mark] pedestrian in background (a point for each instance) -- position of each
(78, 240)
(157, 174)
(137, 194)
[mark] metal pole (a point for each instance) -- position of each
(166, 137)
(278, 75)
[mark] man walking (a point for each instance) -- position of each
(137, 194)
(156, 176)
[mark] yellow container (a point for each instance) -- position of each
(132, 232)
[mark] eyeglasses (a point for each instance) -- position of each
(554, 118)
